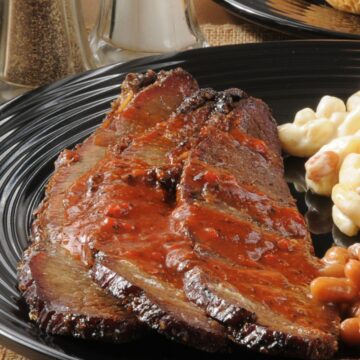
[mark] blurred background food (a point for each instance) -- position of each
(351, 6)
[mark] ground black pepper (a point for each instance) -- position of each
(44, 41)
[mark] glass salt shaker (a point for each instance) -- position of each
(128, 29)
(41, 41)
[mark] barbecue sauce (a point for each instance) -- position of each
(126, 214)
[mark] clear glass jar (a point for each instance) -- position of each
(41, 41)
(128, 29)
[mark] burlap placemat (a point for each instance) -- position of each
(242, 33)
(6, 354)
(216, 35)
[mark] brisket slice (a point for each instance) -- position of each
(231, 241)
(159, 304)
(231, 246)
(136, 110)
(126, 221)
(250, 116)
(144, 100)
(64, 300)
(255, 257)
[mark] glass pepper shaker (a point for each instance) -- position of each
(128, 29)
(41, 41)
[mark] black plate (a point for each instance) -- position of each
(34, 128)
(298, 17)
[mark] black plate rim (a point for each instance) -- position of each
(278, 23)
(155, 58)
(20, 343)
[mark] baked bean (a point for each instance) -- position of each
(336, 254)
(352, 271)
(354, 251)
(333, 270)
(350, 331)
(339, 283)
(332, 289)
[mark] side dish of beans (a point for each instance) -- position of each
(339, 284)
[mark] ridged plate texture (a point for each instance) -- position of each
(35, 127)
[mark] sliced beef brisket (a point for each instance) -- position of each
(126, 223)
(255, 257)
(62, 298)
(188, 222)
